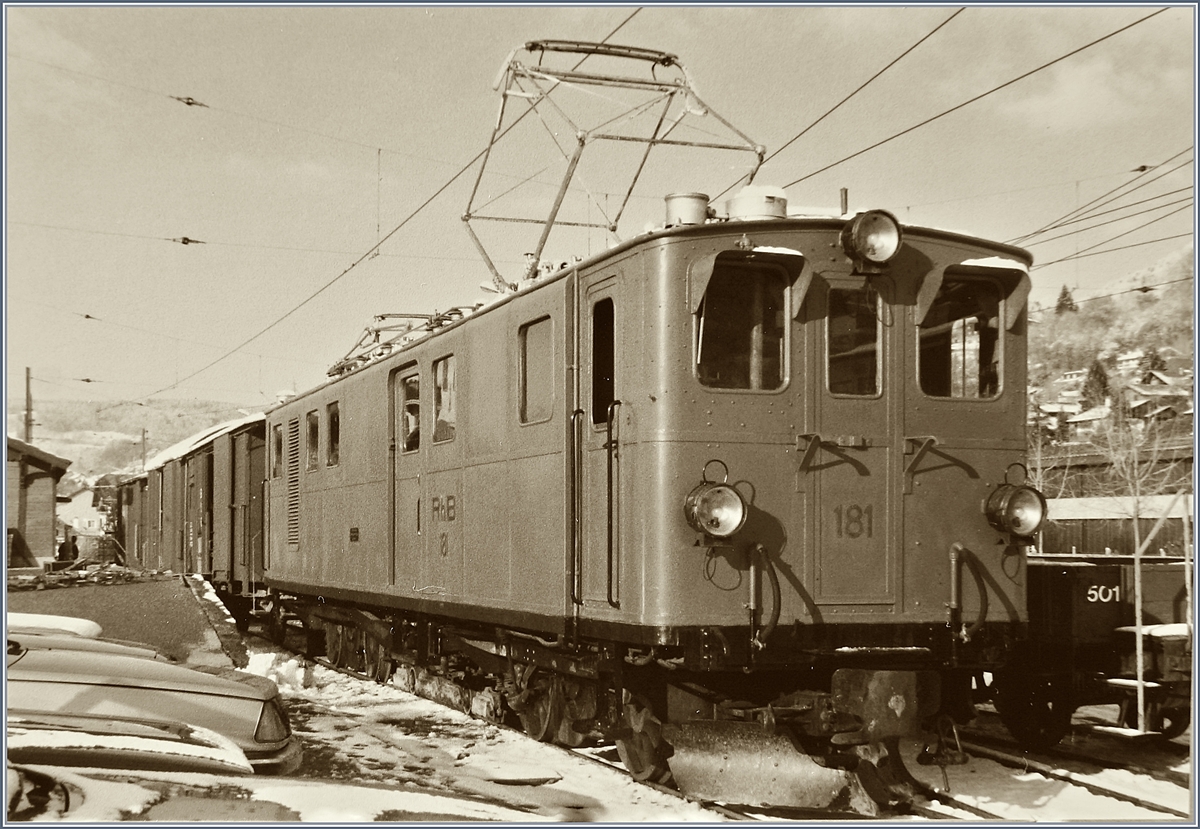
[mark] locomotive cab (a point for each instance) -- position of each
(806, 465)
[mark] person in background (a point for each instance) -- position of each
(68, 551)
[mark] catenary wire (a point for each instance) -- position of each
(1080, 230)
(368, 253)
(861, 87)
(1099, 200)
(216, 243)
(1139, 290)
(1133, 230)
(979, 97)
(1112, 250)
(1122, 207)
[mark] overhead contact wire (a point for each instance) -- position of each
(979, 97)
(365, 255)
(861, 87)
(1104, 199)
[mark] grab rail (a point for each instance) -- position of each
(611, 447)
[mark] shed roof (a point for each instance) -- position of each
(20, 447)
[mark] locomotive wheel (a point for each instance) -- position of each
(1036, 710)
(406, 677)
(335, 644)
(640, 742)
(542, 712)
(314, 641)
(276, 624)
(376, 663)
(354, 648)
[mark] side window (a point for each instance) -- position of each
(741, 328)
(603, 359)
(313, 444)
(443, 399)
(333, 422)
(959, 336)
(410, 415)
(277, 450)
(853, 330)
(536, 371)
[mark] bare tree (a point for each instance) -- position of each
(1141, 464)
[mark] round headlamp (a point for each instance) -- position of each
(715, 509)
(1019, 510)
(872, 238)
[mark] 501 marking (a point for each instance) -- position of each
(1103, 593)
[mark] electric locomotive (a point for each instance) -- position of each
(745, 478)
(743, 494)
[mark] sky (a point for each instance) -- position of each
(320, 174)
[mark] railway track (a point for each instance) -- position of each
(930, 801)
(1084, 775)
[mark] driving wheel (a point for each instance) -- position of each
(640, 742)
(541, 709)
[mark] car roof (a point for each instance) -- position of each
(95, 668)
(58, 738)
(69, 642)
(49, 623)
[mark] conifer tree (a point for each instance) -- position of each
(1066, 302)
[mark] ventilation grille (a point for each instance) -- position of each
(293, 481)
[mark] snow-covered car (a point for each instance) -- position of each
(70, 642)
(49, 623)
(242, 707)
(93, 741)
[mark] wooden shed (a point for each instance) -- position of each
(32, 490)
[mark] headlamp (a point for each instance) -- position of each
(715, 509)
(872, 238)
(1019, 510)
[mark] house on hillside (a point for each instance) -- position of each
(1128, 362)
(31, 498)
(81, 517)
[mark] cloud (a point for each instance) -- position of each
(1086, 94)
(38, 57)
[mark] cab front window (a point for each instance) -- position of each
(741, 327)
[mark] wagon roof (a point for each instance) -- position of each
(193, 442)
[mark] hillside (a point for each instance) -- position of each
(1124, 319)
(102, 437)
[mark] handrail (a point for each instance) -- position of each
(611, 447)
(576, 506)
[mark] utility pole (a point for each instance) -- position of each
(23, 470)
(143, 448)
(28, 407)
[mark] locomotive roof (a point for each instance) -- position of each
(1004, 256)
(194, 442)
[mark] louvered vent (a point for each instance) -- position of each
(293, 481)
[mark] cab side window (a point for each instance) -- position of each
(333, 437)
(444, 417)
(313, 443)
(410, 415)
(277, 450)
(741, 328)
(536, 371)
(959, 341)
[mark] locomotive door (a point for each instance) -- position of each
(598, 575)
(405, 444)
(849, 457)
